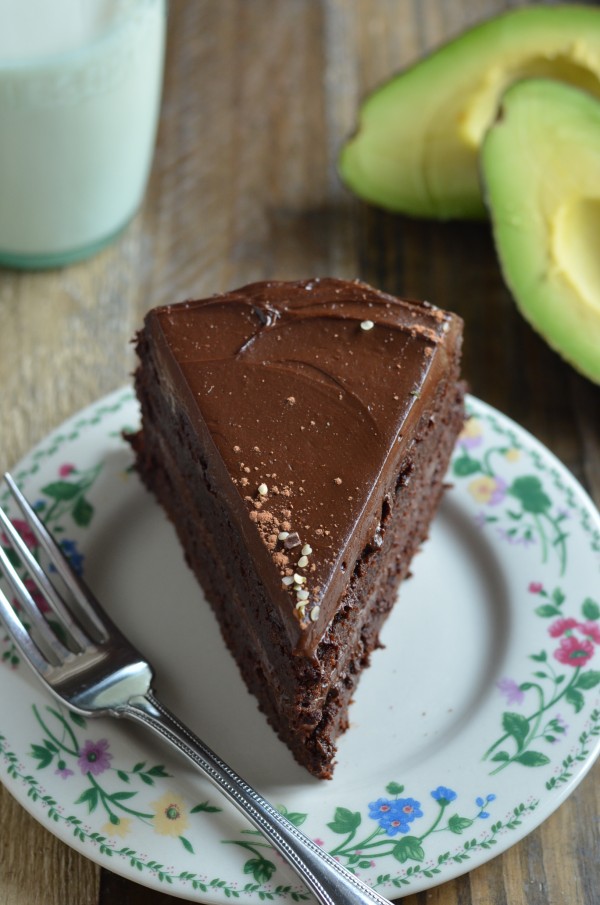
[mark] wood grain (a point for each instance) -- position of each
(259, 95)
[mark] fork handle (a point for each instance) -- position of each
(330, 883)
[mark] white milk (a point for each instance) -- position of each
(80, 84)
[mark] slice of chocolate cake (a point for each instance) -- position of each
(297, 435)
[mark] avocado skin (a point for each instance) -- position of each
(416, 147)
(541, 172)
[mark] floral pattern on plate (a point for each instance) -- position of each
(539, 717)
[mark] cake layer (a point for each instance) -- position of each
(297, 435)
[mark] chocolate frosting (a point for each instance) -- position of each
(305, 396)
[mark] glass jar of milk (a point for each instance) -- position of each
(80, 86)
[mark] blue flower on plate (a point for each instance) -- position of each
(395, 815)
(443, 795)
(482, 802)
(73, 554)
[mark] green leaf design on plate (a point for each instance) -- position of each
(575, 698)
(588, 680)
(41, 753)
(458, 824)
(465, 466)
(529, 491)
(516, 725)
(261, 869)
(82, 512)
(408, 849)
(394, 788)
(61, 490)
(90, 797)
(205, 807)
(345, 821)
(547, 610)
(532, 759)
(591, 610)
(186, 844)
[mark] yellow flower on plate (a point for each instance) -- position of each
(472, 431)
(171, 816)
(512, 454)
(120, 829)
(485, 489)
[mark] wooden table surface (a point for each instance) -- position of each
(259, 94)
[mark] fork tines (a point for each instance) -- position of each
(76, 636)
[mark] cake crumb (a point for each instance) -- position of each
(291, 400)
(337, 481)
(237, 449)
(265, 517)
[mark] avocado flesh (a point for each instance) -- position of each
(541, 173)
(416, 147)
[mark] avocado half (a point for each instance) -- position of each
(540, 164)
(416, 147)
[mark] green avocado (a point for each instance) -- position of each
(416, 147)
(541, 173)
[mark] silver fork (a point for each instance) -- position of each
(94, 670)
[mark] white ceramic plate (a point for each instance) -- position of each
(472, 726)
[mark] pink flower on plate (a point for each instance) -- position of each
(591, 630)
(65, 470)
(574, 652)
(25, 531)
(535, 587)
(94, 757)
(561, 626)
(38, 598)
